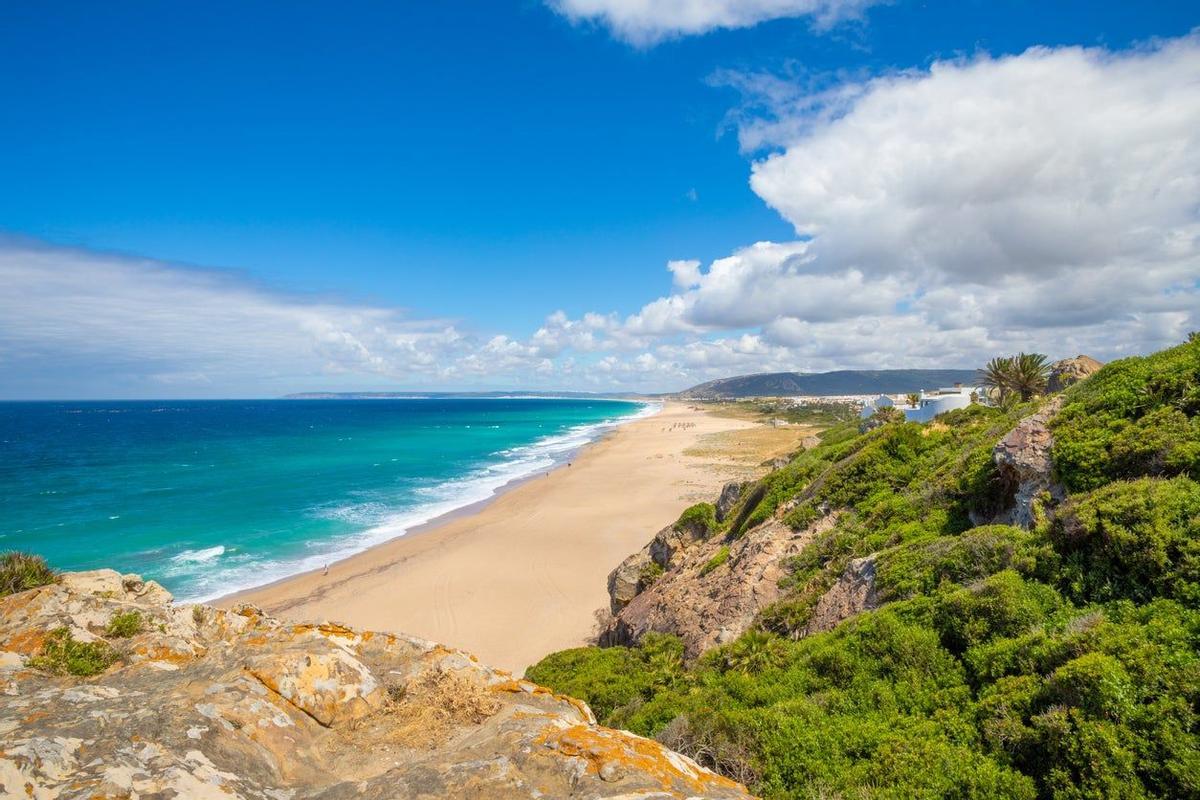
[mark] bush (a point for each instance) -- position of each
(63, 654)
(1134, 417)
(700, 519)
(722, 555)
(606, 678)
(125, 624)
(1002, 605)
(1135, 540)
(920, 567)
(20, 572)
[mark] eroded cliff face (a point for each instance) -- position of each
(221, 704)
(707, 603)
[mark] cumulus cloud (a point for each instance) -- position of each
(644, 22)
(1048, 200)
(1036, 164)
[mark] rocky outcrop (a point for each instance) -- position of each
(220, 704)
(714, 589)
(1070, 371)
(1023, 460)
(853, 594)
(730, 494)
(630, 577)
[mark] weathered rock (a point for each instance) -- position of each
(627, 579)
(853, 594)
(730, 494)
(1023, 460)
(1070, 370)
(234, 704)
(711, 609)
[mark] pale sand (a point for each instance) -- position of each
(524, 575)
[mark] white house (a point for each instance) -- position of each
(931, 403)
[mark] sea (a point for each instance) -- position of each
(211, 497)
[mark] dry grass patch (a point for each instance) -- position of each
(429, 707)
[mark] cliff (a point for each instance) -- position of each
(108, 689)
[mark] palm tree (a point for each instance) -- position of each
(1030, 374)
(1023, 375)
(913, 399)
(995, 377)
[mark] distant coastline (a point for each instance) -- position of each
(523, 395)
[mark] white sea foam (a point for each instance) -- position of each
(199, 556)
(513, 464)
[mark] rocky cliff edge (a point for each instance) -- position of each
(219, 704)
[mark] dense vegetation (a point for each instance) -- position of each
(1058, 662)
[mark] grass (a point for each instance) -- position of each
(62, 654)
(125, 624)
(20, 572)
(717, 560)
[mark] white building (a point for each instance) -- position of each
(930, 404)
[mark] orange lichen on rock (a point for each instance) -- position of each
(212, 703)
(611, 754)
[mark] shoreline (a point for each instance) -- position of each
(436, 521)
(523, 572)
(435, 512)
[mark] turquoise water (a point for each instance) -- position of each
(209, 497)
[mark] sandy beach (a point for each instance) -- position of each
(524, 575)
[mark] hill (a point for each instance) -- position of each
(847, 381)
(1003, 603)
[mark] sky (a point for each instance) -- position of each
(249, 199)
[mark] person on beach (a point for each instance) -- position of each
(326, 572)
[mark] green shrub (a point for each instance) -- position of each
(721, 556)
(1135, 417)
(920, 567)
(1003, 605)
(754, 652)
(20, 572)
(648, 574)
(700, 520)
(63, 654)
(605, 678)
(125, 624)
(1096, 683)
(1135, 540)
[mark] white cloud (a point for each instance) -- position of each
(644, 22)
(1046, 201)
(1036, 164)
(146, 324)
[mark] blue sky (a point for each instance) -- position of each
(408, 195)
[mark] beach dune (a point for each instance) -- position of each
(525, 574)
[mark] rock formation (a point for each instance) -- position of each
(853, 594)
(707, 605)
(217, 704)
(1022, 458)
(730, 494)
(1070, 370)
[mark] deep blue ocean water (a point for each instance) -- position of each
(209, 497)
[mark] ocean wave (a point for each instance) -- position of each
(199, 556)
(382, 523)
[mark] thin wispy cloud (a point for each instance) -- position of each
(647, 22)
